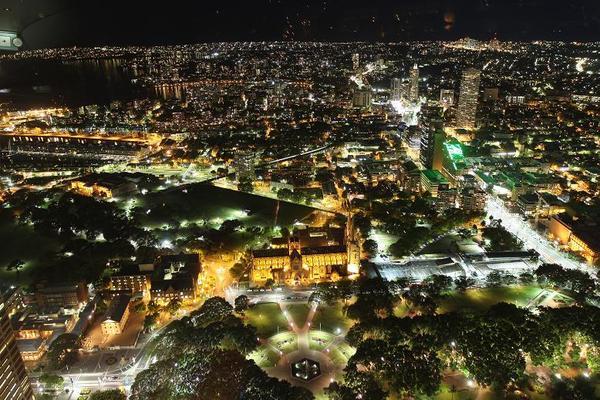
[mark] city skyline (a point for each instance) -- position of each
(299, 200)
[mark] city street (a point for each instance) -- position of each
(531, 239)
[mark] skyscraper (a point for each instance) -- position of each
(362, 98)
(432, 138)
(413, 86)
(14, 382)
(396, 89)
(467, 100)
(355, 61)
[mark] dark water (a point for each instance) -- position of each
(48, 83)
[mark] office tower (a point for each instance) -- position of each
(447, 98)
(355, 61)
(396, 89)
(467, 100)
(362, 98)
(432, 138)
(413, 84)
(14, 382)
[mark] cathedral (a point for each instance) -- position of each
(308, 255)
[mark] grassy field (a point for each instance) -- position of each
(21, 242)
(298, 313)
(331, 318)
(204, 202)
(266, 317)
(482, 299)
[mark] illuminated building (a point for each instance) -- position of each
(467, 100)
(397, 89)
(453, 160)
(176, 277)
(116, 316)
(432, 181)
(14, 382)
(243, 164)
(413, 84)
(472, 200)
(362, 98)
(580, 237)
(309, 255)
(105, 186)
(447, 98)
(133, 279)
(355, 61)
(433, 137)
(62, 295)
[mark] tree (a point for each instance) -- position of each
(213, 309)
(499, 239)
(435, 285)
(173, 306)
(113, 394)
(51, 381)
(370, 247)
(245, 185)
(463, 283)
(139, 307)
(16, 265)
(150, 321)
(63, 351)
(242, 303)
(238, 270)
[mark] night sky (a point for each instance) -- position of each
(54, 23)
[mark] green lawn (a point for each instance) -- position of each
(285, 342)
(331, 318)
(22, 242)
(319, 340)
(266, 317)
(204, 202)
(265, 357)
(482, 299)
(298, 313)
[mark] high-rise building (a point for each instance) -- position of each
(467, 100)
(396, 89)
(447, 98)
(413, 84)
(355, 61)
(362, 98)
(14, 382)
(431, 125)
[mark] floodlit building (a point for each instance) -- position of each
(467, 100)
(117, 315)
(580, 236)
(57, 295)
(413, 84)
(309, 255)
(362, 98)
(176, 276)
(432, 181)
(14, 382)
